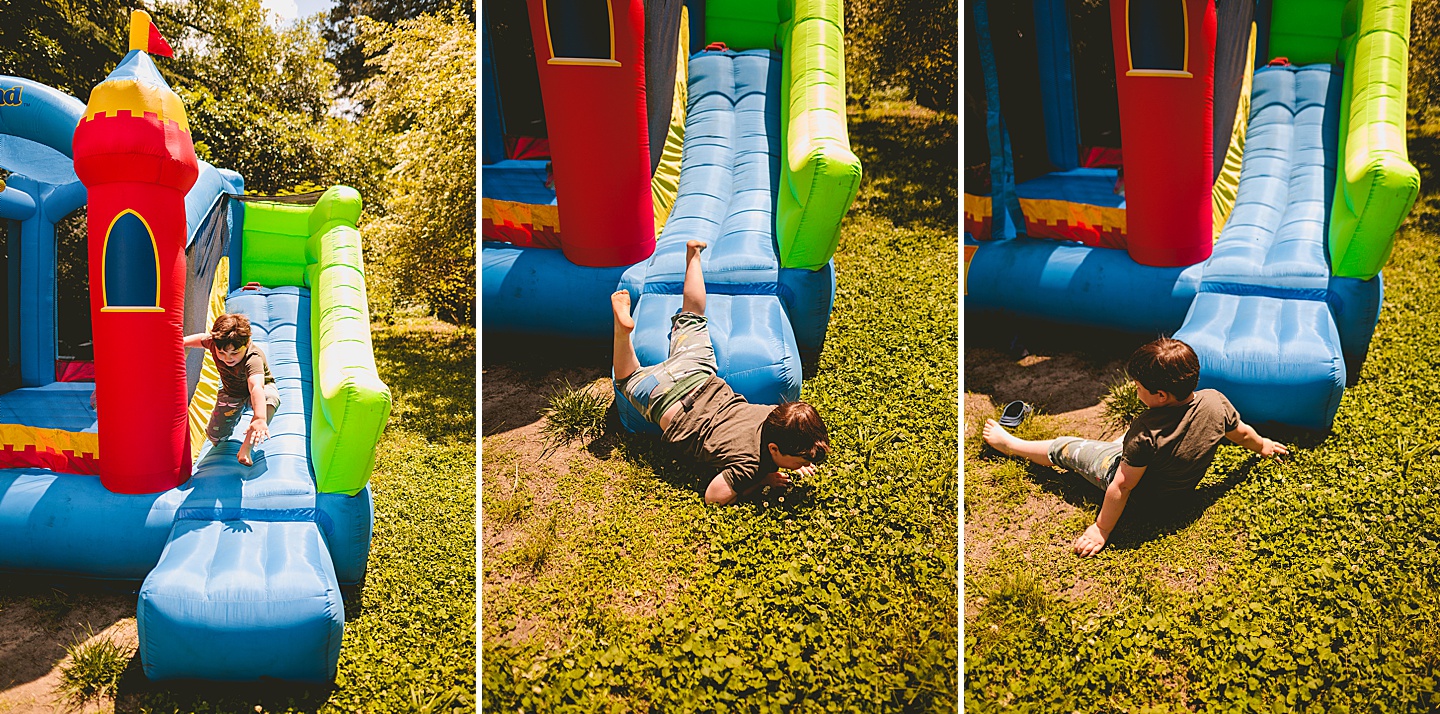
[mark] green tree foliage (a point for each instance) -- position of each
(257, 97)
(910, 45)
(67, 44)
(347, 49)
(424, 96)
(1424, 74)
(267, 102)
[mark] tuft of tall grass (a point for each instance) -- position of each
(1021, 589)
(536, 550)
(1121, 403)
(93, 668)
(574, 414)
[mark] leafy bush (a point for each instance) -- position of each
(423, 100)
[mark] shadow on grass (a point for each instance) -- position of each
(908, 157)
(137, 694)
(431, 375)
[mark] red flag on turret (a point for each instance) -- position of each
(157, 44)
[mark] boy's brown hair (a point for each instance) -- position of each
(796, 429)
(230, 331)
(1166, 365)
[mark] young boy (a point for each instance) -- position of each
(1164, 454)
(244, 376)
(744, 444)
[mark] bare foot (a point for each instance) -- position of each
(693, 248)
(244, 456)
(996, 436)
(620, 305)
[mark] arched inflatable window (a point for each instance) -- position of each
(1159, 38)
(130, 280)
(580, 32)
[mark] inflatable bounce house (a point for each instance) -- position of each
(242, 566)
(1226, 171)
(722, 121)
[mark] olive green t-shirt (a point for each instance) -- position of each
(721, 431)
(1176, 444)
(235, 381)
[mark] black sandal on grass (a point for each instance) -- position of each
(1015, 414)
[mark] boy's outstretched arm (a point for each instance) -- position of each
(195, 341)
(1094, 538)
(259, 429)
(1246, 436)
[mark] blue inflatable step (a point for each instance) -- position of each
(1276, 359)
(242, 600)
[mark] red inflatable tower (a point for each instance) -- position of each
(134, 154)
(591, 59)
(1165, 77)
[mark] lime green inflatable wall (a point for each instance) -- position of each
(1376, 184)
(318, 247)
(819, 175)
(1304, 31)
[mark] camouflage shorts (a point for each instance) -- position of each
(1097, 461)
(228, 409)
(690, 353)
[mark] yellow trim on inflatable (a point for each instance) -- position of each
(207, 390)
(105, 251)
(514, 213)
(1074, 214)
(665, 184)
(977, 208)
(1183, 72)
(80, 443)
(133, 96)
(969, 253)
(596, 62)
(1227, 184)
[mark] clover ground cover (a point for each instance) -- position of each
(841, 596)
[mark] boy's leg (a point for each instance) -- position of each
(1002, 441)
(625, 361)
(693, 294)
(223, 418)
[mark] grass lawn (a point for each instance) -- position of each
(410, 646)
(609, 586)
(1304, 585)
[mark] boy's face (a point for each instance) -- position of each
(786, 461)
(230, 355)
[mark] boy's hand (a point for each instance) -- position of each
(258, 431)
(1269, 448)
(807, 470)
(775, 479)
(1091, 541)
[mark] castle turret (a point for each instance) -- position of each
(134, 154)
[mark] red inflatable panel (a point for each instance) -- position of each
(1165, 79)
(593, 86)
(137, 170)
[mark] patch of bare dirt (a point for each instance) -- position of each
(34, 632)
(517, 379)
